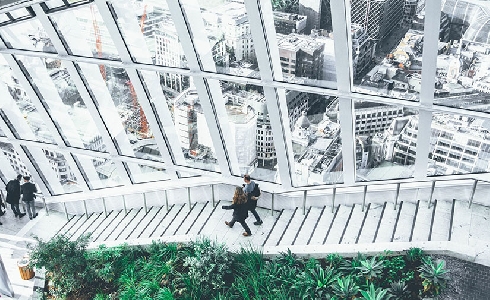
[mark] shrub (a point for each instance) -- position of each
(399, 290)
(374, 294)
(65, 262)
(345, 287)
(370, 268)
(435, 276)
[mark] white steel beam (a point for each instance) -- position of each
(209, 91)
(429, 67)
(343, 65)
(263, 31)
(142, 97)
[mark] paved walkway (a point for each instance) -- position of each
(347, 229)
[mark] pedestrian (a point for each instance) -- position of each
(240, 210)
(27, 190)
(13, 195)
(248, 188)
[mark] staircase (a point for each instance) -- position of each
(375, 223)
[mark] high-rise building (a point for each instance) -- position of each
(379, 17)
(312, 9)
(287, 23)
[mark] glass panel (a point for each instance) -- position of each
(305, 41)
(13, 159)
(85, 32)
(315, 133)
(192, 128)
(150, 173)
(462, 68)
(107, 173)
(387, 40)
(54, 3)
(4, 18)
(19, 108)
(458, 145)
(150, 33)
(19, 13)
(27, 35)
(230, 38)
(251, 131)
(65, 103)
(63, 172)
(385, 141)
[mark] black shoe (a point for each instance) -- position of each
(21, 215)
(1, 223)
(228, 224)
(258, 222)
(35, 215)
(247, 234)
(30, 218)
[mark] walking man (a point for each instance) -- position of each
(27, 190)
(13, 195)
(248, 188)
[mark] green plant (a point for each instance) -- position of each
(414, 254)
(399, 290)
(345, 287)
(65, 262)
(289, 259)
(371, 268)
(395, 270)
(374, 294)
(334, 260)
(435, 276)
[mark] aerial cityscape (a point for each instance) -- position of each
(387, 47)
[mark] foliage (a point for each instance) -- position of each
(334, 260)
(375, 294)
(64, 261)
(395, 269)
(414, 256)
(399, 290)
(371, 268)
(345, 287)
(435, 276)
(288, 6)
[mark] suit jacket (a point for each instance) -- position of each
(13, 196)
(27, 190)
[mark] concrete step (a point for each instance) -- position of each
(460, 231)
(131, 224)
(71, 220)
(405, 222)
(387, 224)
(294, 227)
(201, 218)
(104, 223)
(277, 232)
(156, 220)
(371, 222)
(442, 220)
(83, 223)
(325, 221)
(89, 226)
(182, 221)
(309, 226)
(115, 220)
(163, 226)
(352, 231)
(143, 223)
(422, 222)
(121, 226)
(339, 224)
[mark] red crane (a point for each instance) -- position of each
(98, 42)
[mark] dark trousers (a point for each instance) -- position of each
(252, 204)
(254, 212)
(242, 222)
(15, 208)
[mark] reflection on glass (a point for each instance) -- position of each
(54, 3)
(86, 28)
(230, 39)
(150, 33)
(305, 41)
(315, 133)
(251, 131)
(13, 158)
(27, 35)
(107, 173)
(192, 130)
(458, 145)
(19, 13)
(463, 61)
(150, 173)
(387, 41)
(63, 172)
(385, 141)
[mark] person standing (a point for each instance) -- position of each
(13, 195)
(248, 188)
(27, 190)
(240, 210)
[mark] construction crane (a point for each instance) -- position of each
(143, 130)
(98, 41)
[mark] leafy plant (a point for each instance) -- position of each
(374, 294)
(371, 268)
(414, 254)
(289, 259)
(65, 262)
(334, 260)
(435, 276)
(345, 287)
(395, 270)
(399, 290)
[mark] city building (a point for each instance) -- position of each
(300, 55)
(379, 17)
(287, 23)
(312, 9)
(372, 118)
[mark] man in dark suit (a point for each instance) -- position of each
(13, 195)
(27, 190)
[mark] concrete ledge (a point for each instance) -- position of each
(453, 249)
(145, 241)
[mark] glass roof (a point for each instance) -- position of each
(97, 94)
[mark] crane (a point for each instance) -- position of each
(98, 41)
